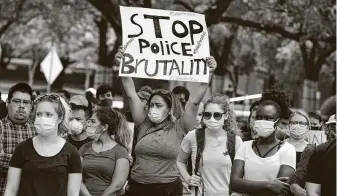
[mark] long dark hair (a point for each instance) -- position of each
(117, 125)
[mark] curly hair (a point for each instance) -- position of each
(117, 125)
(278, 96)
(62, 109)
(223, 101)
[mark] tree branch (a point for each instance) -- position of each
(4, 28)
(213, 16)
(185, 3)
(106, 7)
(263, 27)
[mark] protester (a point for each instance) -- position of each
(35, 94)
(282, 129)
(199, 116)
(182, 93)
(218, 136)
(248, 133)
(321, 176)
(106, 159)
(3, 108)
(263, 166)
(316, 121)
(330, 128)
(298, 126)
(105, 96)
(16, 127)
(161, 130)
(46, 164)
(64, 94)
(81, 112)
(90, 94)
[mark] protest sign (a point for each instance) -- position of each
(316, 137)
(166, 45)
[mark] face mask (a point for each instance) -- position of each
(297, 132)
(214, 125)
(91, 133)
(75, 127)
(264, 128)
(45, 126)
(156, 116)
(315, 128)
(106, 103)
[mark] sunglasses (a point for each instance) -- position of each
(216, 115)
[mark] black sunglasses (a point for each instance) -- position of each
(216, 115)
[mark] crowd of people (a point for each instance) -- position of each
(170, 143)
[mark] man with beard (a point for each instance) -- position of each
(16, 127)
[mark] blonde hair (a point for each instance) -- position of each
(222, 100)
(62, 109)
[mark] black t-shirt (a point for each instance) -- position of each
(44, 176)
(78, 144)
(322, 168)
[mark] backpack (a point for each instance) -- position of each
(200, 138)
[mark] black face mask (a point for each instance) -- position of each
(315, 128)
(106, 103)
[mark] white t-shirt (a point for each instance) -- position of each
(265, 169)
(215, 164)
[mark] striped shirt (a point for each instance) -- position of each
(11, 135)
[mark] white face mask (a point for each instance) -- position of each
(45, 126)
(91, 133)
(75, 127)
(213, 125)
(264, 128)
(298, 132)
(156, 116)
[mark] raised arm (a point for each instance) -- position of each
(138, 112)
(198, 91)
(119, 178)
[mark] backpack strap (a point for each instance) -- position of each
(231, 142)
(200, 138)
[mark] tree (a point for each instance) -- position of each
(311, 24)
(62, 24)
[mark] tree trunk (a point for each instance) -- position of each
(102, 25)
(313, 59)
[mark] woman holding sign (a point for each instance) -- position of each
(161, 131)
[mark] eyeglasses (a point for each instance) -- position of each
(19, 101)
(216, 115)
(301, 123)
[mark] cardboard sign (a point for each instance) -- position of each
(165, 45)
(316, 137)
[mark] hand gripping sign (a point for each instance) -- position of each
(166, 45)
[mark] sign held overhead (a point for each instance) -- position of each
(165, 45)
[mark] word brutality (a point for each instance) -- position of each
(163, 67)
